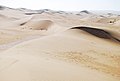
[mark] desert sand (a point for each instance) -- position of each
(47, 45)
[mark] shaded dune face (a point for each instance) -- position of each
(98, 33)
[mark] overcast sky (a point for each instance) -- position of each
(66, 5)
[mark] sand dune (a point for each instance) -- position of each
(48, 26)
(38, 24)
(98, 33)
(59, 57)
(58, 46)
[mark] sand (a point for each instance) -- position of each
(58, 47)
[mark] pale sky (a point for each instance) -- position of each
(66, 5)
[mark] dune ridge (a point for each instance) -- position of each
(38, 25)
(97, 32)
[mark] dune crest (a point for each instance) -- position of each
(38, 24)
(98, 33)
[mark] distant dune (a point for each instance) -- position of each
(38, 24)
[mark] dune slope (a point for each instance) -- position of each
(60, 58)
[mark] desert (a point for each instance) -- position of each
(48, 45)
